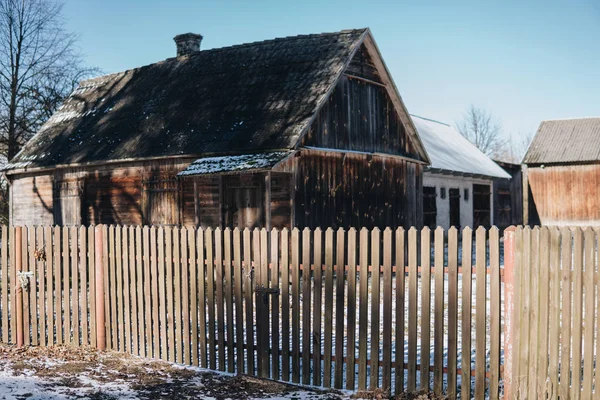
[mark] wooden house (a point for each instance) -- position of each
(561, 174)
(299, 131)
(458, 186)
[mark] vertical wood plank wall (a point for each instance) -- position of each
(195, 296)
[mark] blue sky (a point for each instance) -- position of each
(524, 61)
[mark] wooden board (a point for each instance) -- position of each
(41, 273)
(452, 310)
(155, 293)
(363, 308)
(306, 301)
(438, 355)
(274, 277)
(228, 293)
(566, 321)
(126, 288)
(177, 297)
(340, 308)
(120, 295)
(480, 316)
(285, 305)
(425, 308)
(193, 282)
(387, 309)
(328, 320)
(162, 291)
(495, 312)
(170, 294)
(295, 269)
(249, 297)
(83, 283)
(466, 310)
(400, 303)
(375, 300)
(202, 298)
(351, 332)
(412, 310)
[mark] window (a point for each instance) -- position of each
(443, 193)
(466, 195)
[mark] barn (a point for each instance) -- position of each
(458, 186)
(561, 174)
(301, 131)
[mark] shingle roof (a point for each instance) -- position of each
(450, 151)
(565, 141)
(256, 96)
(241, 162)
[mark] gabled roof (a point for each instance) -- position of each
(450, 151)
(565, 141)
(254, 97)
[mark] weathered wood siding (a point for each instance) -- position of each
(32, 200)
(565, 195)
(360, 116)
(357, 190)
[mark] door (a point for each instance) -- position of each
(68, 198)
(243, 207)
(454, 197)
(429, 207)
(161, 201)
(481, 206)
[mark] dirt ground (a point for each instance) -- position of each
(63, 372)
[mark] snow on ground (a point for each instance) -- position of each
(62, 372)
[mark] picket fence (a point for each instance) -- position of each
(393, 309)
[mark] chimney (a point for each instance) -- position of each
(187, 43)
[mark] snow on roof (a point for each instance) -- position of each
(243, 162)
(451, 151)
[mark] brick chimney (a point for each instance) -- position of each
(187, 43)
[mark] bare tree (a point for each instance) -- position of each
(39, 67)
(515, 148)
(483, 130)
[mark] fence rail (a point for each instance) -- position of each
(375, 309)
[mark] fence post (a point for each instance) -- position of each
(509, 308)
(99, 275)
(18, 288)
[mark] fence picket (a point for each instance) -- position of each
(33, 301)
(185, 297)
(66, 279)
(554, 313)
(542, 342)
(48, 243)
(170, 295)
(41, 273)
(452, 310)
(154, 282)
(318, 303)
(400, 302)
(193, 295)
(481, 314)
(274, 304)
(588, 346)
(126, 286)
(296, 305)
(202, 297)
(351, 333)
(467, 282)
(227, 248)
(387, 310)
(5, 288)
(285, 305)
(375, 290)
(438, 352)
(239, 315)
(58, 276)
(113, 289)
(140, 293)
(135, 339)
(264, 317)
(495, 312)
(164, 345)
(83, 284)
(413, 277)
(306, 292)
(13, 282)
(148, 292)
(119, 277)
(340, 284)
(576, 316)
(248, 287)
(425, 307)
(177, 296)
(567, 265)
(256, 262)
(363, 308)
(327, 339)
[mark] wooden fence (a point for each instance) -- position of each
(555, 315)
(399, 310)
